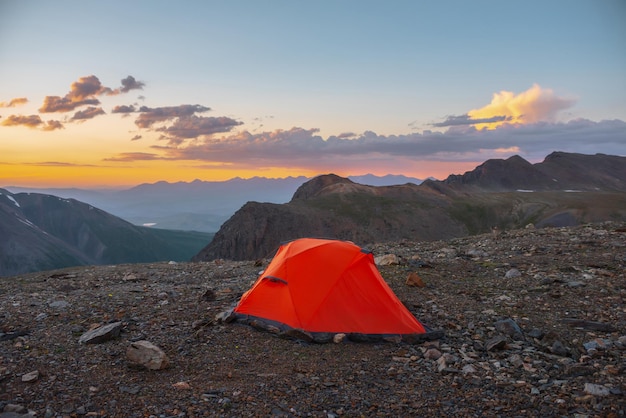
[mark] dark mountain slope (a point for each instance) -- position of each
(558, 171)
(41, 232)
(505, 194)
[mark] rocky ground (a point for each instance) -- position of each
(534, 322)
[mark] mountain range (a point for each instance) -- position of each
(565, 189)
(44, 232)
(193, 206)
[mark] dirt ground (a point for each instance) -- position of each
(534, 322)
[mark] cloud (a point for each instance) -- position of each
(462, 120)
(52, 125)
(32, 121)
(123, 109)
(136, 137)
(195, 126)
(14, 102)
(129, 83)
(304, 148)
(84, 92)
(135, 156)
(89, 113)
(53, 104)
(149, 116)
(531, 106)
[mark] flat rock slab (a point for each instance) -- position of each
(101, 334)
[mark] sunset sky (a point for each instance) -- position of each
(118, 93)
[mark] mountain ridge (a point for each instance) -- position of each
(198, 205)
(43, 232)
(503, 194)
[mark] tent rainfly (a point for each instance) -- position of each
(315, 289)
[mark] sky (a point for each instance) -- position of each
(118, 93)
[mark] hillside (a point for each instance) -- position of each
(563, 190)
(43, 232)
(533, 319)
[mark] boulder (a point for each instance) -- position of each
(144, 353)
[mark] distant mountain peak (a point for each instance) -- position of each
(317, 184)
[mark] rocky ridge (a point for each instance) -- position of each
(534, 322)
(565, 189)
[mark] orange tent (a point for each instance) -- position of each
(321, 287)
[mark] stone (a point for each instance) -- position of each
(414, 280)
(441, 364)
(512, 274)
(31, 376)
(432, 354)
(496, 343)
(101, 334)
(597, 344)
(386, 260)
(469, 369)
(590, 325)
(597, 390)
(182, 385)
(225, 317)
(510, 328)
(59, 304)
(144, 353)
(553, 343)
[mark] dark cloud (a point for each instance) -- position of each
(86, 87)
(136, 137)
(195, 126)
(31, 121)
(123, 109)
(347, 135)
(150, 116)
(89, 113)
(129, 83)
(306, 149)
(463, 120)
(52, 125)
(14, 102)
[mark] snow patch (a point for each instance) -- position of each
(13, 200)
(149, 224)
(525, 191)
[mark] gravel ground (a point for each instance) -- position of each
(534, 322)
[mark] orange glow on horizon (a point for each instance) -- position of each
(94, 176)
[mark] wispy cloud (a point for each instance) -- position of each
(464, 120)
(18, 101)
(135, 156)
